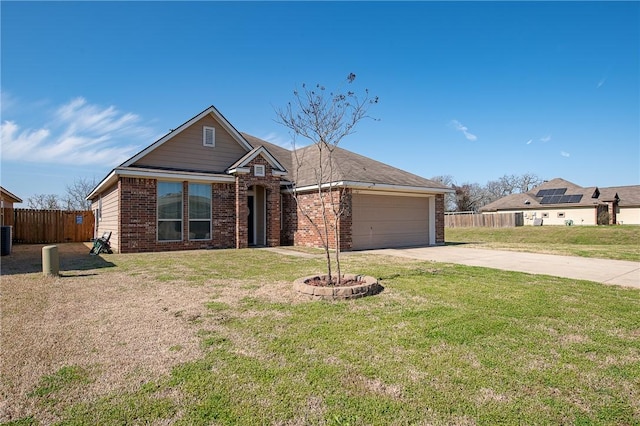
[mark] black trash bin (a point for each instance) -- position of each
(5, 241)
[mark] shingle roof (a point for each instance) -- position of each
(10, 197)
(348, 167)
(627, 195)
(590, 196)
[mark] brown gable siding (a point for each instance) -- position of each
(185, 151)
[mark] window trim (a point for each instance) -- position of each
(204, 136)
(561, 215)
(545, 215)
(158, 220)
(210, 219)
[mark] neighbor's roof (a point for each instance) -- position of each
(349, 168)
(591, 196)
(6, 195)
(628, 196)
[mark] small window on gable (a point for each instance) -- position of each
(560, 214)
(545, 215)
(258, 170)
(208, 136)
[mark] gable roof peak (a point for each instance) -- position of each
(213, 111)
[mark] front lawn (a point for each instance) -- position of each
(607, 242)
(216, 337)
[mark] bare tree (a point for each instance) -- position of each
(510, 184)
(449, 198)
(528, 181)
(43, 202)
(324, 119)
(469, 197)
(75, 198)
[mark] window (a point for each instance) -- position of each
(208, 136)
(560, 214)
(199, 211)
(258, 170)
(545, 215)
(169, 211)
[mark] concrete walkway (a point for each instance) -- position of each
(613, 272)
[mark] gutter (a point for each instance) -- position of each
(374, 187)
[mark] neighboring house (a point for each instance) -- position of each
(558, 201)
(7, 199)
(206, 185)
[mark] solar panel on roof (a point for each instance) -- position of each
(560, 199)
(554, 191)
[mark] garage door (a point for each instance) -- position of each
(381, 221)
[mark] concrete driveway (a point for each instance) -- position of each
(613, 272)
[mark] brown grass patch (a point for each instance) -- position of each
(124, 330)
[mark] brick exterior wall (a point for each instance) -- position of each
(305, 234)
(289, 220)
(440, 219)
(271, 184)
(137, 215)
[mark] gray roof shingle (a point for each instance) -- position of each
(348, 167)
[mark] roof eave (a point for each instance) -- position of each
(376, 187)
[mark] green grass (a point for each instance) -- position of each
(65, 377)
(442, 344)
(607, 242)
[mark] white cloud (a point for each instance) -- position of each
(529, 141)
(565, 154)
(465, 131)
(601, 82)
(77, 133)
(277, 139)
(545, 138)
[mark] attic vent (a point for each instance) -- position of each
(208, 136)
(527, 202)
(258, 170)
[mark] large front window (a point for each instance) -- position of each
(199, 211)
(169, 211)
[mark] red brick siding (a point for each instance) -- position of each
(289, 220)
(305, 234)
(138, 218)
(440, 219)
(271, 184)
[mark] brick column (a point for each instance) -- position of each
(439, 218)
(242, 210)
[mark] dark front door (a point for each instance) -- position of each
(250, 221)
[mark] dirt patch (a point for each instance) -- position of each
(124, 330)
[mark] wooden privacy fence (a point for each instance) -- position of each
(469, 220)
(49, 226)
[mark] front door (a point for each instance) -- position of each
(251, 221)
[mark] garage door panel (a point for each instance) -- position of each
(389, 221)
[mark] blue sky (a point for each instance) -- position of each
(475, 90)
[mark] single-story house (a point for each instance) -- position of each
(206, 185)
(7, 200)
(560, 202)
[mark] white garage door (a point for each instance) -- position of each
(381, 221)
